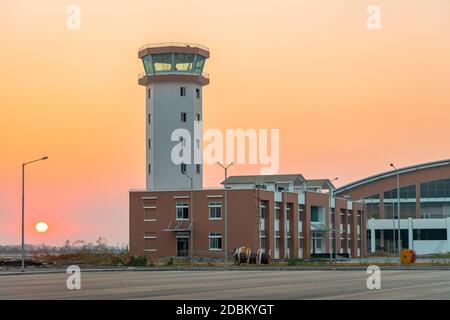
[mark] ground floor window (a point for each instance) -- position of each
(262, 244)
(215, 241)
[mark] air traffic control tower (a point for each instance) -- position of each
(173, 80)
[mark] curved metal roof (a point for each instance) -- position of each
(391, 173)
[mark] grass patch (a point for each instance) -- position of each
(93, 258)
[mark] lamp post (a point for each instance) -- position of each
(398, 208)
(393, 229)
(331, 229)
(225, 214)
(361, 230)
(23, 209)
(192, 217)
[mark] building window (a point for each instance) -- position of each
(149, 93)
(197, 93)
(183, 116)
(215, 210)
(149, 169)
(197, 117)
(182, 209)
(408, 192)
(262, 210)
(183, 168)
(149, 118)
(184, 62)
(197, 168)
(289, 207)
(277, 243)
(150, 144)
(315, 214)
(300, 214)
(215, 241)
(182, 91)
(277, 210)
(430, 234)
(262, 242)
(162, 62)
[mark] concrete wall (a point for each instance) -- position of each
(165, 107)
(430, 246)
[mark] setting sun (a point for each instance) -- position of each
(41, 227)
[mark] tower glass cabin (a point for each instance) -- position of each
(173, 80)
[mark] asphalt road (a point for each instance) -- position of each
(235, 285)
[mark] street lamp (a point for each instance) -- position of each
(192, 217)
(331, 230)
(399, 243)
(23, 208)
(225, 214)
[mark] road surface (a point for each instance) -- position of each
(235, 285)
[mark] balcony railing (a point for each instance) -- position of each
(173, 44)
(204, 74)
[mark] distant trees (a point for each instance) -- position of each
(100, 246)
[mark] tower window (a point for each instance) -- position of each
(197, 117)
(183, 116)
(182, 91)
(149, 93)
(149, 118)
(197, 168)
(183, 168)
(149, 169)
(197, 93)
(149, 144)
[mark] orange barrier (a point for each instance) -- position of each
(407, 256)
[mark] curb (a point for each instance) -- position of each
(293, 268)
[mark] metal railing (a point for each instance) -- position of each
(173, 44)
(143, 74)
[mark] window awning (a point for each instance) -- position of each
(179, 226)
(318, 227)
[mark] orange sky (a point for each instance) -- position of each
(348, 101)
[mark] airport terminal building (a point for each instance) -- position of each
(286, 215)
(424, 203)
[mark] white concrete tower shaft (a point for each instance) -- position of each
(173, 80)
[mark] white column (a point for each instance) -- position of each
(285, 231)
(372, 240)
(410, 233)
(448, 234)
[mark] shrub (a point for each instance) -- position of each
(292, 262)
(138, 261)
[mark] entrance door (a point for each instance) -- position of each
(316, 243)
(182, 247)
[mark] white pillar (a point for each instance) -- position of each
(410, 233)
(372, 239)
(448, 234)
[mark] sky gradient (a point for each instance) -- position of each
(347, 100)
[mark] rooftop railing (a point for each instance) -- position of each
(173, 44)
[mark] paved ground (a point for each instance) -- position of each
(432, 284)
